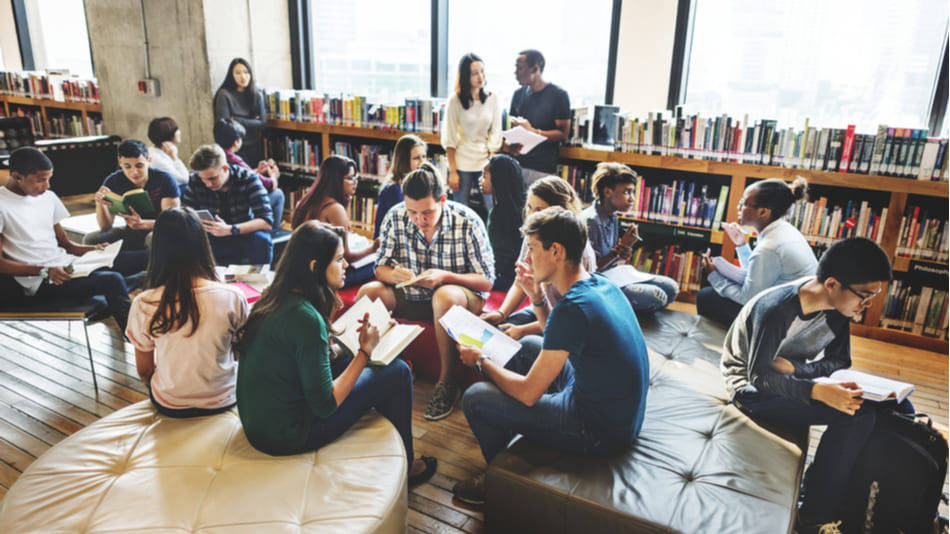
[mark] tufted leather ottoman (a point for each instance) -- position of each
(135, 471)
(699, 464)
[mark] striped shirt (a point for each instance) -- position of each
(244, 200)
(460, 245)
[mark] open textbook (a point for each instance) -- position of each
(730, 270)
(873, 388)
(466, 328)
(95, 259)
(393, 338)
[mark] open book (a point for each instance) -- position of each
(873, 388)
(730, 270)
(358, 243)
(467, 329)
(95, 259)
(393, 339)
(412, 281)
(135, 198)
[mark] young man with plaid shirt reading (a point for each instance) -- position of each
(448, 244)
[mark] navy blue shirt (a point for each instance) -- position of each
(596, 325)
(541, 109)
(159, 185)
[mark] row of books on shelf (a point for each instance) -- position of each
(372, 161)
(579, 178)
(823, 223)
(72, 126)
(414, 115)
(922, 237)
(891, 151)
(681, 203)
(683, 266)
(293, 154)
(50, 85)
(918, 310)
(362, 210)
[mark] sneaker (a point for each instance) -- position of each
(471, 491)
(832, 527)
(442, 402)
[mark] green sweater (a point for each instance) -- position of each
(284, 380)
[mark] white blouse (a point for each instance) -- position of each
(474, 133)
(164, 162)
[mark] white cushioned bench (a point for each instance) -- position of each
(135, 471)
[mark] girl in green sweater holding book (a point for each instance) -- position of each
(295, 394)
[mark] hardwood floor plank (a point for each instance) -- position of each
(14, 456)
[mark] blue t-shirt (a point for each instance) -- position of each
(389, 196)
(159, 185)
(541, 109)
(596, 325)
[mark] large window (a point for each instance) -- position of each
(839, 62)
(59, 36)
(574, 41)
(375, 48)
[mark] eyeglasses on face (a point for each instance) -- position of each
(864, 298)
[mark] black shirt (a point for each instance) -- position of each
(541, 109)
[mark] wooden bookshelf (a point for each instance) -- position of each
(738, 175)
(6, 101)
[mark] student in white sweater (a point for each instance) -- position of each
(471, 132)
(182, 326)
(165, 136)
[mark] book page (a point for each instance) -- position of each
(466, 328)
(349, 326)
(96, 259)
(394, 342)
(412, 281)
(624, 275)
(874, 388)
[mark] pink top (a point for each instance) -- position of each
(196, 371)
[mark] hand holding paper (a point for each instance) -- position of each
(520, 136)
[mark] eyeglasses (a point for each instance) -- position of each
(354, 178)
(864, 298)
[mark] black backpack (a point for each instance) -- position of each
(897, 481)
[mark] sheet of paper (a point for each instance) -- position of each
(466, 328)
(96, 259)
(624, 275)
(729, 270)
(365, 260)
(519, 135)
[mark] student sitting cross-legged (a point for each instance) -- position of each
(614, 185)
(36, 255)
(445, 241)
(240, 229)
(183, 323)
(583, 389)
(135, 172)
(326, 201)
(297, 393)
(229, 135)
(770, 358)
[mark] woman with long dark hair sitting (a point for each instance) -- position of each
(183, 324)
(326, 201)
(502, 179)
(294, 395)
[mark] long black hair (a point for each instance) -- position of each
(229, 82)
(329, 184)
(312, 241)
(506, 217)
(180, 253)
(463, 85)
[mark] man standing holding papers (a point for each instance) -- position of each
(583, 389)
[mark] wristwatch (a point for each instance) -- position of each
(235, 230)
(478, 364)
(44, 273)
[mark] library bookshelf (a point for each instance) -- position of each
(737, 176)
(47, 107)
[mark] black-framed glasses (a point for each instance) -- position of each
(864, 298)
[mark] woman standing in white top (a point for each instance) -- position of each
(183, 324)
(471, 131)
(165, 136)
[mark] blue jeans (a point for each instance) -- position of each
(467, 180)
(109, 284)
(714, 306)
(276, 200)
(554, 421)
(254, 248)
(358, 277)
(652, 295)
(502, 282)
(837, 451)
(387, 389)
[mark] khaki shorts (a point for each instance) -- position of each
(421, 310)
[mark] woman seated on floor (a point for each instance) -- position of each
(543, 193)
(326, 201)
(296, 391)
(183, 324)
(501, 178)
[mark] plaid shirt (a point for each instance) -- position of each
(460, 245)
(244, 200)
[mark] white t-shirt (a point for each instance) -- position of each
(474, 133)
(197, 370)
(164, 162)
(26, 224)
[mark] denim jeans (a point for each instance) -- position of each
(254, 248)
(109, 284)
(358, 277)
(652, 295)
(554, 421)
(276, 200)
(467, 180)
(837, 451)
(714, 306)
(387, 389)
